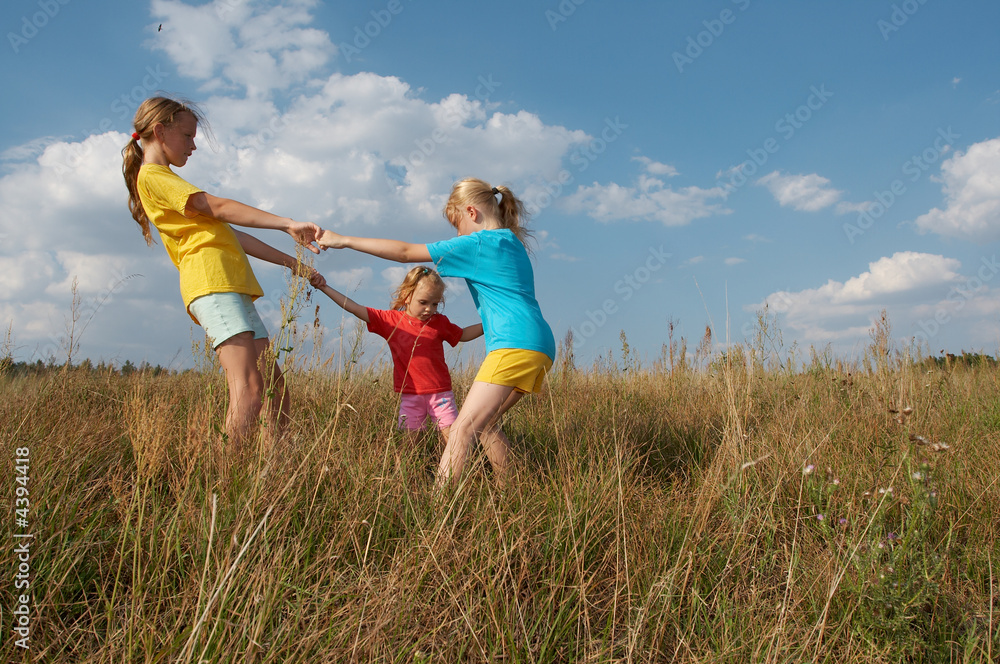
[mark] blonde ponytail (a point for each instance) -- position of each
(509, 210)
(131, 163)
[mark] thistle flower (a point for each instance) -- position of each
(808, 470)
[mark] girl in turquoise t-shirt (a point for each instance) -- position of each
(490, 254)
(217, 283)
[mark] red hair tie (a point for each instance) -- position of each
(135, 136)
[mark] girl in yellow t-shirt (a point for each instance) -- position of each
(217, 284)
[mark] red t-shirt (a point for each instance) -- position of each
(417, 349)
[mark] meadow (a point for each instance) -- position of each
(737, 506)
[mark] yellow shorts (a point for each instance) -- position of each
(524, 370)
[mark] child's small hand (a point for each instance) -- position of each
(317, 280)
(331, 240)
(305, 233)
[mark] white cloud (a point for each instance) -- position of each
(808, 193)
(656, 168)
(906, 284)
(972, 188)
(845, 207)
(252, 46)
(356, 152)
(648, 200)
(734, 261)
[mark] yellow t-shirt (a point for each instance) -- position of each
(205, 251)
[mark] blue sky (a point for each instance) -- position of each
(686, 162)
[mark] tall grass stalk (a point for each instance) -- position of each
(732, 509)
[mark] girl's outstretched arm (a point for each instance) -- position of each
(265, 252)
(346, 303)
(472, 332)
(234, 212)
(393, 250)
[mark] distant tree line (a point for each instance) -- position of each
(948, 360)
(8, 367)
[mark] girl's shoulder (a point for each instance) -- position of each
(150, 169)
(160, 180)
(156, 172)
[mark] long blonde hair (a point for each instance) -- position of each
(153, 111)
(509, 210)
(405, 290)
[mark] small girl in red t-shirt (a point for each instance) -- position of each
(416, 333)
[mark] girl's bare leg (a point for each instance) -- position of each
(238, 357)
(484, 405)
(276, 398)
(443, 434)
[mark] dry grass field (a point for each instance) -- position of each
(736, 509)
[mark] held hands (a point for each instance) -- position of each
(316, 280)
(305, 233)
(331, 240)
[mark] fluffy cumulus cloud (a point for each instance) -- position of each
(807, 193)
(648, 199)
(922, 293)
(972, 189)
(344, 151)
(257, 47)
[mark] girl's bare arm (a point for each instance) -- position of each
(472, 332)
(346, 303)
(234, 212)
(393, 250)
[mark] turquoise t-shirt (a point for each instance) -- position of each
(496, 267)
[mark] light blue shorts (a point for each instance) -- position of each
(224, 315)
